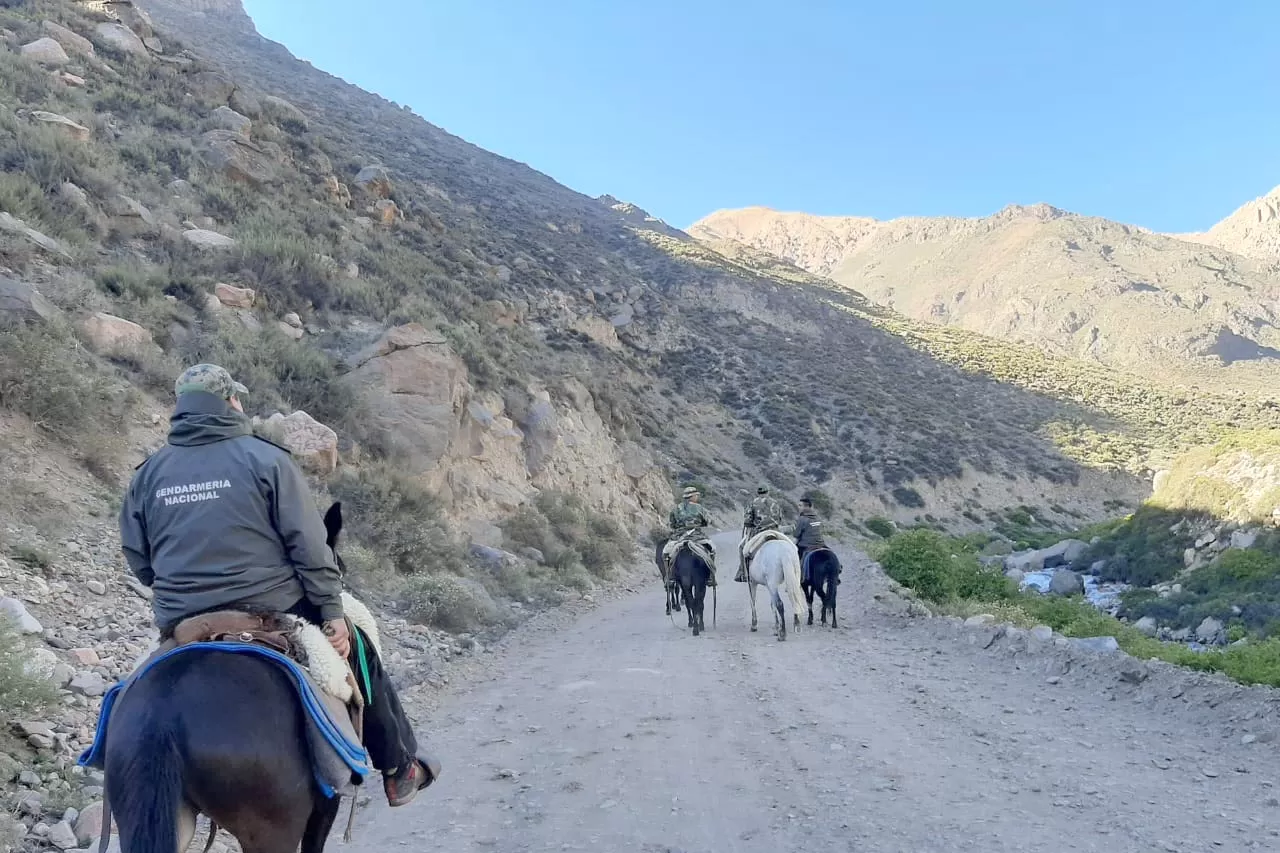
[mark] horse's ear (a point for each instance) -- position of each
(333, 523)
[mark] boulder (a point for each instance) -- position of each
(128, 208)
(337, 191)
(71, 42)
(46, 51)
(1024, 561)
(88, 826)
(625, 317)
(1065, 553)
(226, 118)
(234, 297)
(1096, 644)
(1211, 632)
(291, 332)
(206, 239)
(1244, 539)
(374, 180)
(415, 389)
(40, 663)
(1043, 633)
(89, 684)
(211, 87)
(1066, 582)
(118, 37)
(78, 132)
(1147, 625)
(282, 112)
(20, 304)
(70, 79)
(16, 611)
(388, 213)
(293, 320)
(154, 44)
(238, 158)
(313, 444)
(62, 836)
(114, 336)
(245, 103)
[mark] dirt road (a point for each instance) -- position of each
(619, 732)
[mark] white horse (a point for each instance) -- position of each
(775, 565)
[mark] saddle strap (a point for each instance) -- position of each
(270, 639)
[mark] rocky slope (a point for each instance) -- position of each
(1077, 286)
(1252, 231)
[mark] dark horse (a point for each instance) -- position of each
(222, 735)
(823, 577)
(672, 591)
(691, 573)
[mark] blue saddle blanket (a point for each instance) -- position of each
(337, 758)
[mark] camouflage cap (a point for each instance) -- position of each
(762, 490)
(210, 379)
(691, 491)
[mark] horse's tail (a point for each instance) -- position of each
(144, 790)
(791, 580)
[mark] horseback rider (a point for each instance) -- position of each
(808, 530)
(762, 514)
(687, 521)
(221, 519)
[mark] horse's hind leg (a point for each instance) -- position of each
(808, 597)
(781, 615)
(320, 823)
(751, 593)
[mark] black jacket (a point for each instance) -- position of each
(809, 531)
(219, 517)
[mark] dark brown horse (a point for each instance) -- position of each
(207, 732)
(821, 574)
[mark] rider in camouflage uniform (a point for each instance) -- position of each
(763, 514)
(687, 521)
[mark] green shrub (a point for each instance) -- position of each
(1241, 589)
(821, 502)
(882, 527)
(47, 376)
(1145, 548)
(20, 691)
(921, 560)
(394, 516)
(31, 557)
(448, 602)
(569, 534)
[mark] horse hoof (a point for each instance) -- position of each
(754, 629)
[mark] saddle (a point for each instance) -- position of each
(292, 637)
(751, 545)
(704, 550)
(234, 626)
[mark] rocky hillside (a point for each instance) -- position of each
(1252, 231)
(1167, 309)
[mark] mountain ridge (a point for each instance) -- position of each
(1081, 286)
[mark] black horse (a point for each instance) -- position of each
(671, 590)
(222, 735)
(823, 577)
(691, 573)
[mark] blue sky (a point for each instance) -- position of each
(1164, 114)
